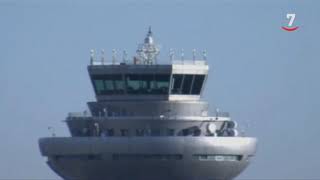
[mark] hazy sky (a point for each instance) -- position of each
(262, 75)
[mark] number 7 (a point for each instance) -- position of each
(291, 19)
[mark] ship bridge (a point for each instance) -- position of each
(144, 79)
(123, 88)
(148, 82)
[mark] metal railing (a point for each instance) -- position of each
(97, 60)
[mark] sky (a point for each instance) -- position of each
(267, 78)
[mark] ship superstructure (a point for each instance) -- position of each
(148, 123)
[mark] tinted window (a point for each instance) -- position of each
(186, 85)
(119, 85)
(176, 83)
(108, 84)
(197, 84)
(133, 84)
(99, 86)
(147, 84)
(162, 84)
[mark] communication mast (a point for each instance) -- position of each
(148, 51)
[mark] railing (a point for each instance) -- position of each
(221, 117)
(102, 60)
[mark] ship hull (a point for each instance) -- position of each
(148, 158)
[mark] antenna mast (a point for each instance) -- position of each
(148, 51)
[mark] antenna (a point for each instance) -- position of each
(114, 53)
(194, 54)
(171, 54)
(204, 54)
(217, 113)
(150, 32)
(92, 56)
(182, 55)
(124, 56)
(102, 56)
(148, 51)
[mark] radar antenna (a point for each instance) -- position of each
(148, 51)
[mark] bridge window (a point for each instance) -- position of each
(133, 84)
(108, 84)
(147, 83)
(119, 84)
(187, 84)
(197, 84)
(99, 86)
(162, 84)
(176, 83)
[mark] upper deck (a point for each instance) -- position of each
(144, 79)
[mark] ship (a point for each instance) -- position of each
(149, 122)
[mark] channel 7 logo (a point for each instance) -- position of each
(291, 17)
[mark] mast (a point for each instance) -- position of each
(148, 51)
